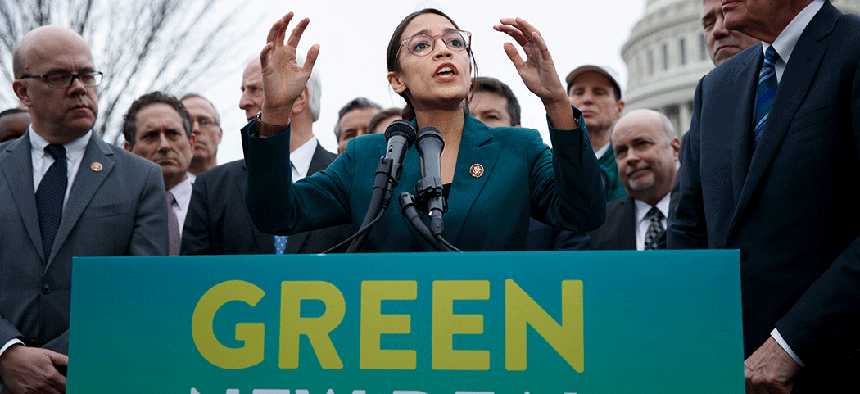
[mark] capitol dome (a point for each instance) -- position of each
(666, 56)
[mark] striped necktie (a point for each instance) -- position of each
(767, 85)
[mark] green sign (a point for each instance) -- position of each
(519, 322)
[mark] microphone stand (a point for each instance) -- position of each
(381, 199)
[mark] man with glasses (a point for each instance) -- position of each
(206, 127)
(64, 193)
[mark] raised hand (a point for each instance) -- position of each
(284, 79)
(538, 70)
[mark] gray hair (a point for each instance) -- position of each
(314, 86)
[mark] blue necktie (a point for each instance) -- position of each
(767, 85)
(50, 196)
(280, 244)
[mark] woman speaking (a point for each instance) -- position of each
(494, 177)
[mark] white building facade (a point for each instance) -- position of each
(666, 56)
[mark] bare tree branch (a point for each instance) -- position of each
(140, 45)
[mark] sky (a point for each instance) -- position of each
(353, 37)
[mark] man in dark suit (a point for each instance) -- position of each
(646, 150)
(773, 149)
(64, 193)
(217, 221)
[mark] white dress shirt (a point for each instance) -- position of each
(785, 41)
(182, 193)
(301, 158)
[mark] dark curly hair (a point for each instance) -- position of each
(394, 48)
(129, 127)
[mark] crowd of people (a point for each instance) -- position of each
(764, 168)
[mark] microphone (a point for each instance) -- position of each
(400, 135)
(429, 189)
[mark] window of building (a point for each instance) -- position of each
(650, 62)
(665, 56)
(703, 48)
(682, 47)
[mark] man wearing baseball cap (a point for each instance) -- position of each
(596, 93)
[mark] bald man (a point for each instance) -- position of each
(646, 151)
(65, 193)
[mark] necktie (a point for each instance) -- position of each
(173, 225)
(655, 229)
(50, 196)
(765, 92)
(280, 244)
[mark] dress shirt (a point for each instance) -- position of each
(642, 223)
(301, 158)
(182, 193)
(42, 160)
(600, 152)
(785, 41)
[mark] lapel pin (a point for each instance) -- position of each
(476, 170)
(96, 166)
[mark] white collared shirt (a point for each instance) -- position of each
(642, 223)
(787, 39)
(301, 158)
(602, 151)
(182, 193)
(42, 160)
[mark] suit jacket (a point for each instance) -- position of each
(119, 209)
(790, 207)
(488, 211)
(619, 231)
(218, 223)
(545, 237)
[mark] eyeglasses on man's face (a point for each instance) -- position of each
(64, 80)
(422, 44)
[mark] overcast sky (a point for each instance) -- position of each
(353, 37)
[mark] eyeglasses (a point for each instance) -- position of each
(64, 80)
(422, 44)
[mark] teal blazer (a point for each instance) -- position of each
(486, 212)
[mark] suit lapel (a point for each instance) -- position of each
(18, 169)
(793, 88)
(628, 229)
(318, 160)
(87, 181)
(477, 147)
(747, 76)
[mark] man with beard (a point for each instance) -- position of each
(646, 150)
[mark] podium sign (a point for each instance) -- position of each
(518, 322)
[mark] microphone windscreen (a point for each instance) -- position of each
(403, 128)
